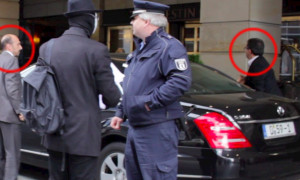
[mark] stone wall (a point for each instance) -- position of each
(222, 20)
(9, 14)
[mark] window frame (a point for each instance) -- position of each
(119, 28)
(195, 39)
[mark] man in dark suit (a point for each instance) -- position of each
(257, 63)
(83, 72)
(10, 99)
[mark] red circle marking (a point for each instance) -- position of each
(32, 48)
(275, 51)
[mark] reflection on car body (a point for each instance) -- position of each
(231, 132)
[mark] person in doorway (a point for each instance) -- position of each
(82, 67)
(157, 75)
(254, 51)
(286, 65)
(10, 100)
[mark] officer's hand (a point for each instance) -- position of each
(21, 117)
(116, 122)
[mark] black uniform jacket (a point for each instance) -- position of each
(266, 82)
(157, 75)
(83, 70)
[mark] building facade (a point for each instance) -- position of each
(205, 27)
(6, 15)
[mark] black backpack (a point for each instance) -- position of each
(41, 103)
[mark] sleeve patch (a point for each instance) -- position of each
(181, 64)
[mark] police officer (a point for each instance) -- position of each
(158, 74)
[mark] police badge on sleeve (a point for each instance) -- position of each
(181, 64)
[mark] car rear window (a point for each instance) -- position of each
(210, 81)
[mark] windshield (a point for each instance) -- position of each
(208, 81)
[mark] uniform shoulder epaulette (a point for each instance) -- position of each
(168, 36)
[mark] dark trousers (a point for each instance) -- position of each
(151, 152)
(10, 150)
(76, 167)
(2, 158)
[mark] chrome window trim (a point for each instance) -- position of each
(268, 120)
(35, 152)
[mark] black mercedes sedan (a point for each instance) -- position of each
(228, 132)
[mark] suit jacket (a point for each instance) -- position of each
(10, 89)
(266, 82)
(83, 72)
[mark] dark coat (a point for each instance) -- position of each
(266, 82)
(83, 71)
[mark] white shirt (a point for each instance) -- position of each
(251, 60)
(118, 77)
(9, 53)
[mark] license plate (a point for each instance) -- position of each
(278, 130)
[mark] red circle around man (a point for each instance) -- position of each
(32, 48)
(259, 30)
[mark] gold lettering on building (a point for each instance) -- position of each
(183, 13)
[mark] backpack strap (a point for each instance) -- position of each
(48, 61)
(48, 51)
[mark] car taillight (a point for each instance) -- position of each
(220, 132)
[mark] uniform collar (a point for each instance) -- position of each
(137, 42)
(154, 35)
(149, 40)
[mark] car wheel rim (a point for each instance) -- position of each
(113, 167)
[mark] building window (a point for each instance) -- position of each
(192, 38)
(120, 39)
(290, 53)
(290, 30)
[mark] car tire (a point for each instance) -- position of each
(112, 164)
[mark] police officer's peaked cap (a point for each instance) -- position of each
(76, 7)
(147, 6)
